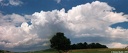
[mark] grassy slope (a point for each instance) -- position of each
(97, 50)
(83, 51)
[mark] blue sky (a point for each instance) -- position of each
(31, 6)
(27, 25)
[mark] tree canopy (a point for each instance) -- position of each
(87, 46)
(60, 42)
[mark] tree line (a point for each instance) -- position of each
(62, 43)
(87, 46)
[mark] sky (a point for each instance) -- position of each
(28, 25)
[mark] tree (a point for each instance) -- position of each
(73, 46)
(91, 46)
(60, 42)
(80, 46)
(96, 45)
(85, 45)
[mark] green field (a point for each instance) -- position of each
(86, 51)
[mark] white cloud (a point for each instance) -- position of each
(12, 37)
(1, 0)
(12, 19)
(58, 1)
(15, 2)
(93, 19)
(117, 45)
(118, 33)
(10, 2)
(86, 20)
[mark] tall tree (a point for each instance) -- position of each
(85, 45)
(60, 42)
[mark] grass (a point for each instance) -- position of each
(91, 51)
(99, 50)
(117, 50)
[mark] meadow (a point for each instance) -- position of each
(112, 50)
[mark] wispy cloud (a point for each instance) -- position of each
(10, 2)
(58, 1)
(15, 2)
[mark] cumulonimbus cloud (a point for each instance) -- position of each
(91, 20)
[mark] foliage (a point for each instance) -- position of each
(87, 46)
(4, 51)
(60, 42)
(96, 45)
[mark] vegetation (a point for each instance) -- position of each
(60, 42)
(87, 46)
(4, 51)
(102, 50)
